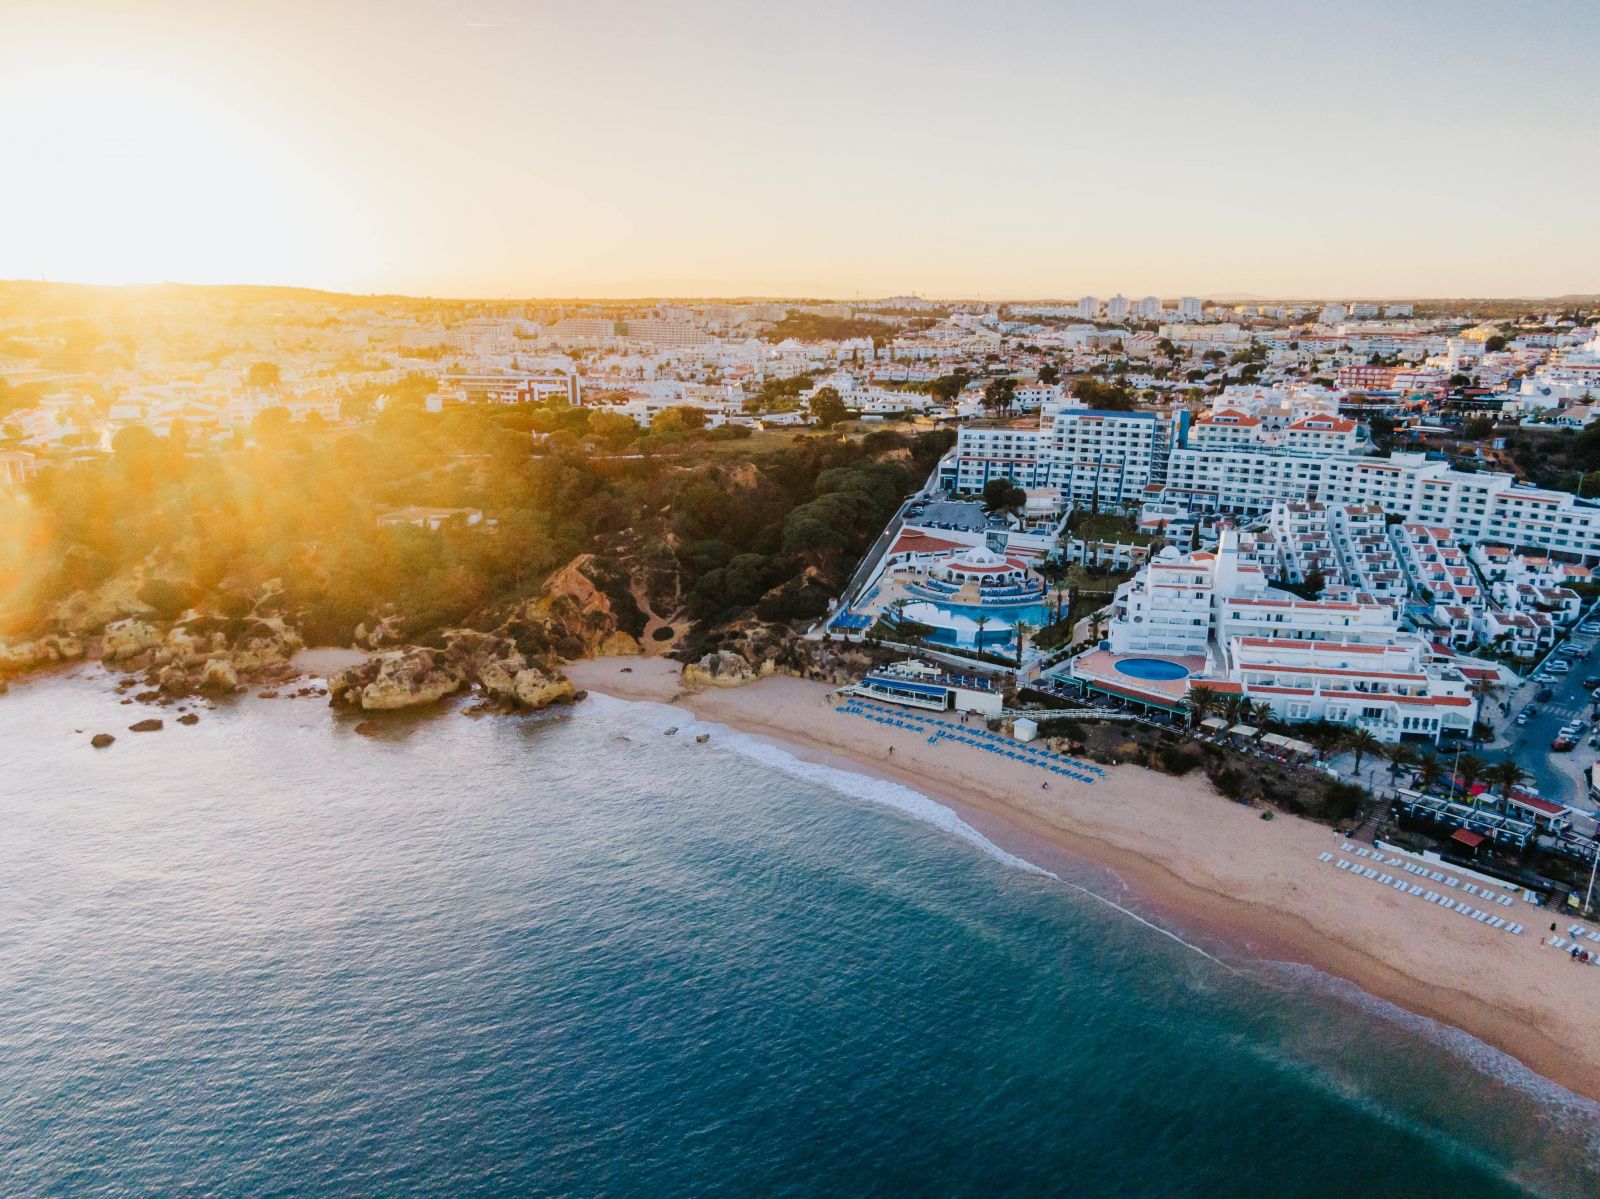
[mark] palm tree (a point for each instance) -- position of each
(1328, 739)
(1399, 756)
(983, 619)
(1231, 707)
(1202, 702)
(1023, 629)
(1469, 770)
(1361, 742)
(1506, 776)
(1429, 771)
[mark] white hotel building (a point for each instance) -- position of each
(1342, 661)
(1232, 462)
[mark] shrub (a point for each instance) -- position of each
(169, 599)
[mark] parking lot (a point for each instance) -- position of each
(951, 514)
(1557, 774)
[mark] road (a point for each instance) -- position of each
(1558, 776)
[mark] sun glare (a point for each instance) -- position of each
(140, 177)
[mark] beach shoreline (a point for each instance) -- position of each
(1199, 862)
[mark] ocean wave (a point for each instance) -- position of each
(1576, 1115)
(653, 717)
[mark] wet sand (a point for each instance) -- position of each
(1210, 866)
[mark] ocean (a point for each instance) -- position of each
(570, 955)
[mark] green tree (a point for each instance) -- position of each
(827, 408)
(999, 394)
(1361, 742)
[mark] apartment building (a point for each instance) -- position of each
(1338, 660)
(1091, 456)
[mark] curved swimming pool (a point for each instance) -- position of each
(1152, 670)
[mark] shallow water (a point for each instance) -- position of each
(570, 955)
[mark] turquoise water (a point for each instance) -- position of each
(957, 624)
(1156, 669)
(571, 956)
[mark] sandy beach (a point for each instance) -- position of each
(1205, 865)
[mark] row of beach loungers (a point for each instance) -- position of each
(982, 738)
(1580, 936)
(1460, 907)
(882, 716)
(1054, 763)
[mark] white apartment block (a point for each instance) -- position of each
(1191, 308)
(1088, 308)
(1091, 456)
(1117, 308)
(1342, 661)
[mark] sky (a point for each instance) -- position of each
(519, 148)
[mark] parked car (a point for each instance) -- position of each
(1561, 744)
(1590, 683)
(1522, 718)
(1589, 626)
(1558, 666)
(1544, 695)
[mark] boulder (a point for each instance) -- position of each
(101, 740)
(219, 676)
(402, 678)
(124, 639)
(146, 726)
(188, 718)
(723, 668)
(536, 689)
(174, 680)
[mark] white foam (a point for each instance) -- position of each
(1578, 1115)
(885, 792)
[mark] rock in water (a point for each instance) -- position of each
(146, 726)
(702, 738)
(101, 740)
(188, 718)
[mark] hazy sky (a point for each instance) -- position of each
(525, 147)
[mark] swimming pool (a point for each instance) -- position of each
(957, 624)
(1152, 670)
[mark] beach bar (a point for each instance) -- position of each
(916, 684)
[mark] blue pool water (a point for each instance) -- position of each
(957, 624)
(1155, 670)
(571, 956)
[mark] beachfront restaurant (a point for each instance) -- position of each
(917, 684)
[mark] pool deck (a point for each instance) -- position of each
(1099, 668)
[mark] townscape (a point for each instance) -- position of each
(1335, 559)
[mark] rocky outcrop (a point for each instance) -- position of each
(535, 689)
(219, 677)
(724, 668)
(416, 675)
(146, 726)
(123, 640)
(102, 740)
(400, 678)
(49, 650)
